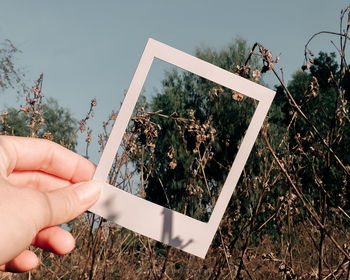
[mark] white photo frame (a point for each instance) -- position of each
(150, 219)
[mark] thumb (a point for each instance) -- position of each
(67, 203)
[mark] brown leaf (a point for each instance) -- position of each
(237, 96)
(173, 164)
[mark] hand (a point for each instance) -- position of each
(40, 187)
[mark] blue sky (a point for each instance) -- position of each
(90, 49)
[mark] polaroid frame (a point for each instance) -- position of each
(150, 219)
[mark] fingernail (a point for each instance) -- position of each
(88, 192)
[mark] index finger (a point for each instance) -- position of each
(24, 153)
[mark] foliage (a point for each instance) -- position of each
(10, 76)
(197, 127)
(59, 123)
(41, 119)
(289, 217)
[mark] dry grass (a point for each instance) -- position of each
(291, 239)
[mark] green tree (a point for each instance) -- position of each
(199, 138)
(48, 119)
(320, 97)
(56, 123)
(10, 76)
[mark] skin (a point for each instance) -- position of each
(42, 185)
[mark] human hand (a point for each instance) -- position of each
(42, 185)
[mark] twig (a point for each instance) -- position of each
(313, 214)
(310, 124)
(226, 256)
(323, 32)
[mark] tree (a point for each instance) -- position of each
(10, 76)
(56, 123)
(199, 127)
(314, 168)
(36, 118)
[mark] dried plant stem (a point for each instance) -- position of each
(342, 35)
(251, 229)
(162, 271)
(165, 194)
(299, 194)
(293, 102)
(153, 269)
(310, 124)
(92, 251)
(226, 255)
